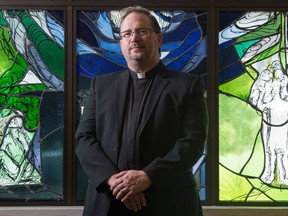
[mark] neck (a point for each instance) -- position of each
(140, 67)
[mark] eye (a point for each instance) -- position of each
(125, 34)
(143, 31)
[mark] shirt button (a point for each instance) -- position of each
(115, 147)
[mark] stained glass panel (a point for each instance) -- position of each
(31, 104)
(253, 107)
(98, 52)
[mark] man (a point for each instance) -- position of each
(142, 131)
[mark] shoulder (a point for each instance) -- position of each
(171, 73)
(181, 77)
(182, 81)
(109, 78)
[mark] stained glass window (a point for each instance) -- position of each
(31, 104)
(253, 107)
(98, 52)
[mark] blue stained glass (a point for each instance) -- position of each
(102, 23)
(230, 72)
(226, 19)
(115, 48)
(182, 37)
(96, 65)
(191, 40)
(83, 48)
(98, 52)
(34, 154)
(229, 69)
(56, 30)
(226, 44)
(180, 29)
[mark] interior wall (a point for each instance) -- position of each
(77, 211)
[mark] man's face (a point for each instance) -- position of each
(137, 48)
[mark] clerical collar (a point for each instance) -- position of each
(147, 74)
(141, 75)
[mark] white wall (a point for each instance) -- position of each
(245, 211)
(77, 211)
(41, 211)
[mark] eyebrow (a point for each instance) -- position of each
(137, 29)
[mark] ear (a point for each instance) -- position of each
(160, 39)
(121, 43)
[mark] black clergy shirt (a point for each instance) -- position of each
(139, 87)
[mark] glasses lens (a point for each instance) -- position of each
(139, 32)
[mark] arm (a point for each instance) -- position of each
(93, 159)
(189, 131)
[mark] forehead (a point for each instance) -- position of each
(136, 18)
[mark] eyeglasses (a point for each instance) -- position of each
(143, 32)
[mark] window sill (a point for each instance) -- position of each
(77, 211)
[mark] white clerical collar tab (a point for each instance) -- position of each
(141, 75)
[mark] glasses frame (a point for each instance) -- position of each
(141, 32)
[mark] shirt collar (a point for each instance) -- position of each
(149, 74)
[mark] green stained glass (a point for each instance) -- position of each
(242, 47)
(253, 109)
(49, 50)
(238, 87)
(31, 104)
(2, 19)
(9, 57)
(26, 88)
(16, 168)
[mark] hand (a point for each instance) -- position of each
(126, 184)
(136, 202)
(113, 178)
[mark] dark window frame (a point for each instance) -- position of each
(70, 7)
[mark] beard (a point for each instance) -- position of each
(137, 56)
(137, 52)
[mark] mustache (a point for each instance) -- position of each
(136, 45)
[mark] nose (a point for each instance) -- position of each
(134, 36)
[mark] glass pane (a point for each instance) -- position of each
(31, 104)
(98, 52)
(253, 107)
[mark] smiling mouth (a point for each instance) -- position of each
(136, 47)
